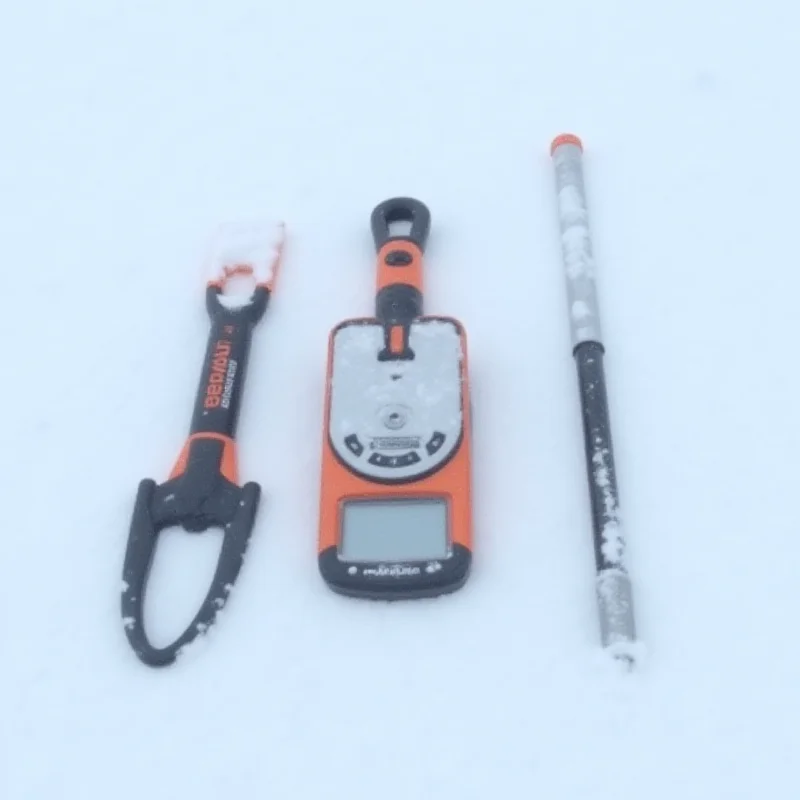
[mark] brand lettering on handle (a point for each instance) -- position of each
(219, 371)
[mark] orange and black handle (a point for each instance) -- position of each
(203, 490)
(398, 298)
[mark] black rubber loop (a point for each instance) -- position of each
(401, 209)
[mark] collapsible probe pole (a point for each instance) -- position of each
(613, 584)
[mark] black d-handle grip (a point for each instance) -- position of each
(401, 209)
(202, 491)
(199, 499)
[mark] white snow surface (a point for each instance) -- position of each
(130, 131)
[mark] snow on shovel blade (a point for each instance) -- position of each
(244, 254)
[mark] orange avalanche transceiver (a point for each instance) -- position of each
(395, 504)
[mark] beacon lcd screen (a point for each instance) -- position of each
(402, 530)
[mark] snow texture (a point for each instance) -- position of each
(576, 244)
(613, 543)
(131, 130)
(576, 237)
(244, 253)
(396, 407)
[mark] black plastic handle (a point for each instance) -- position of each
(202, 491)
(253, 310)
(198, 499)
(401, 209)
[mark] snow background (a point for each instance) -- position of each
(131, 130)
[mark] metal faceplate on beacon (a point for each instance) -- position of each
(399, 419)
